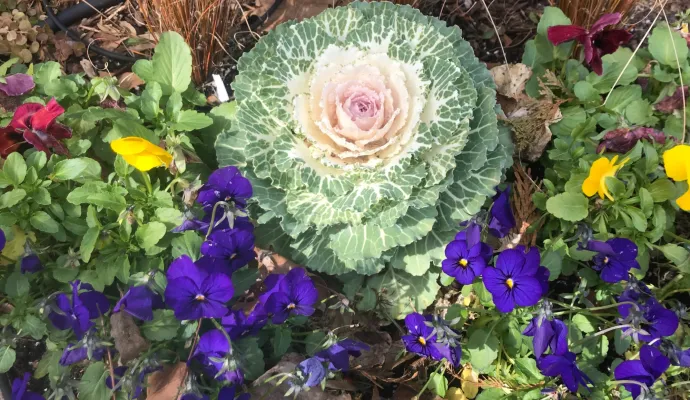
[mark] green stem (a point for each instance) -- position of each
(680, 238)
(213, 217)
(672, 292)
(147, 181)
(441, 364)
(679, 384)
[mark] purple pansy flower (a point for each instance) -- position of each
(563, 365)
(194, 293)
(19, 391)
(75, 353)
(338, 355)
(78, 313)
(542, 276)
(421, 339)
(31, 263)
(513, 281)
(228, 393)
(596, 41)
(3, 239)
(656, 320)
(467, 255)
(615, 258)
(225, 184)
(646, 370)
(214, 353)
(192, 396)
(294, 294)
(238, 324)
(502, 219)
(17, 84)
(313, 372)
(546, 334)
(676, 354)
(228, 250)
(139, 302)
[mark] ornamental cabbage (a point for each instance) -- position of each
(368, 133)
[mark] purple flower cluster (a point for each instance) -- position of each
(467, 255)
(20, 392)
(78, 312)
(646, 319)
(646, 370)
(614, 259)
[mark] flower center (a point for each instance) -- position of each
(510, 283)
(422, 341)
(291, 306)
(200, 297)
(606, 260)
(463, 262)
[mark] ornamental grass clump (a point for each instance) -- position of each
(368, 133)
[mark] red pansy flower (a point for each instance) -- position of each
(596, 41)
(35, 124)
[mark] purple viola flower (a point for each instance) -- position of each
(502, 219)
(421, 339)
(513, 281)
(192, 396)
(75, 353)
(295, 294)
(31, 263)
(676, 354)
(313, 371)
(78, 313)
(17, 84)
(139, 302)
(228, 250)
(19, 389)
(3, 239)
(546, 334)
(615, 258)
(215, 354)
(338, 355)
(190, 223)
(636, 292)
(193, 292)
(651, 321)
(467, 255)
(225, 184)
(228, 393)
(563, 365)
(272, 281)
(542, 276)
(646, 370)
(238, 324)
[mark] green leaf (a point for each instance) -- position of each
(163, 327)
(552, 16)
(585, 92)
(243, 279)
(188, 243)
(46, 72)
(568, 206)
(668, 46)
(37, 160)
(251, 357)
(15, 168)
(150, 100)
(438, 383)
(77, 169)
(405, 292)
(7, 357)
(639, 112)
(677, 255)
(169, 216)
(11, 198)
(622, 96)
(639, 220)
(88, 243)
(484, 296)
(314, 342)
(42, 221)
(527, 367)
(282, 339)
(662, 190)
(583, 323)
(173, 107)
(483, 348)
(42, 196)
(34, 326)
(622, 343)
(49, 364)
(613, 69)
(148, 235)
(190, 120)
(92, 384)
(171, 65)
(553, 261)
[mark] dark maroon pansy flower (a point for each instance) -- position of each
(35, 124)
(622, 140)
(596, 41)
(674, 102)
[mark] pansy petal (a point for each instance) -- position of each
(654, 361)
(22, 115)
(129, 145)
(218, 287)
(526, 291)
(684, 201)
(510, 261)
(676, 161)
(564, 33)
(633, 370)
(609, 41)
(183, 266)
(604, 21)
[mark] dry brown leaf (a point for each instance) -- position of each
(128, 340)
(511, 80)
(87, 66)
(129, 80)
(165, 384)
(296, 9)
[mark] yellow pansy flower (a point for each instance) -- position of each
(677, 164)
(140, 153)
(596, 181)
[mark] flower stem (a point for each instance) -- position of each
(602, 332)
(680, 238)
(419, 395)
(212, 223)
(147, 181)
(679, 384)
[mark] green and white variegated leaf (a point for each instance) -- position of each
(405, 293)
(383, 200)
